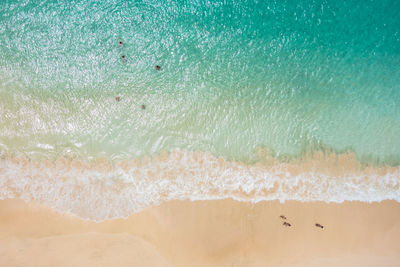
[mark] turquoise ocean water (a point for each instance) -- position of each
(286, 76)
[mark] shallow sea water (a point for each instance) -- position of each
(246, 91)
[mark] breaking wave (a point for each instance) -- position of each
(106, 189)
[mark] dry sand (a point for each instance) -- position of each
(205, 233)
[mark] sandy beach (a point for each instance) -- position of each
(205, 233)
(199, 133)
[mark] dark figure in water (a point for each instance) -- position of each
(143, 107)
(318, 225)
(287, 224)
(123, 58)
(118, 98)
(120, 41)
(158, 67)
(283, 217)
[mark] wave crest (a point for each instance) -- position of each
(113, 189)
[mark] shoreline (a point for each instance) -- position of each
(205, 233)
(115, 189)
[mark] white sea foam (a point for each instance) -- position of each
(104, 190)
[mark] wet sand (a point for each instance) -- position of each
(103, 188)
(205, 233)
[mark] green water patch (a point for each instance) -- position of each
(234, 76)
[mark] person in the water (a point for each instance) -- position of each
(158, 67)
(120, 41)
(118, 99)
(143, 107)
(123, 58)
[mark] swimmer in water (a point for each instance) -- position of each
(120, 42)
(123, 58)
(158, 67)
(143, 107)
(118, 99)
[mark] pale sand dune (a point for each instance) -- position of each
(205, 233)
